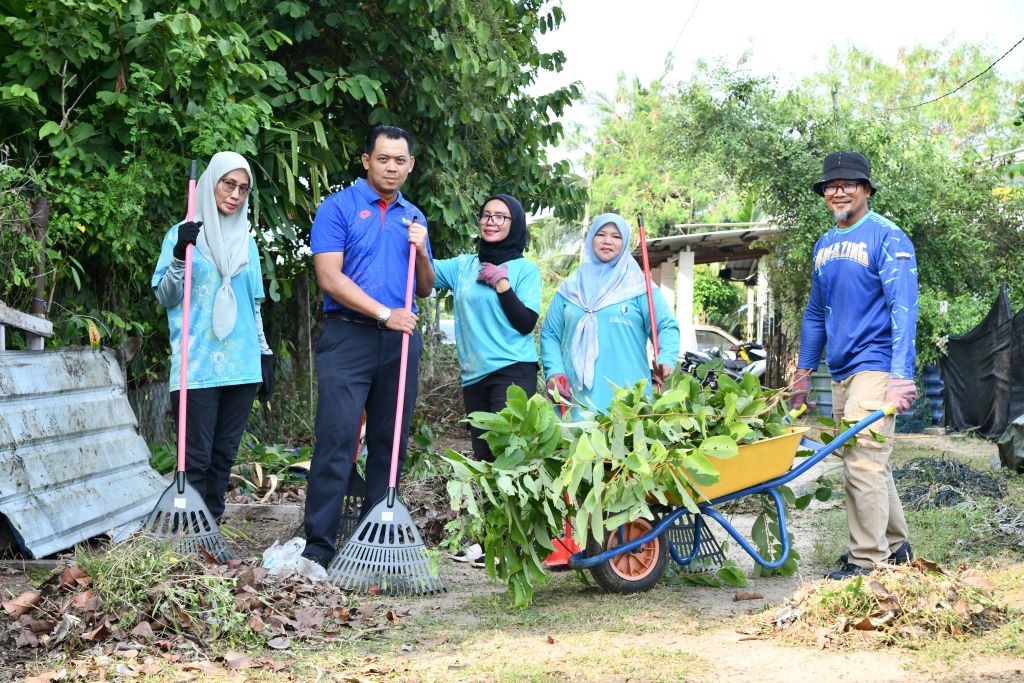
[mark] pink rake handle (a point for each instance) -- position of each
(393, 478)
(186, 307)
(650, 295)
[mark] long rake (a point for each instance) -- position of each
(386, 555)
(180, 514)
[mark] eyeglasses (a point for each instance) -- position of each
(231, 186)
(847, 188)
(495, 218)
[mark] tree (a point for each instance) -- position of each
(106, 101)
(759, 143)
(635, 172)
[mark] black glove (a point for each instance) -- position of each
(267, 366)
(187, 234)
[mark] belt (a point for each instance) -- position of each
(358, 320)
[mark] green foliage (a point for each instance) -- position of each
(109, 99)
(163, 458)
(713, 296)
(632, 169)
(605, 471)
(759, 146)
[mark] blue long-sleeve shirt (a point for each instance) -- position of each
(863, 303)
(622, 332)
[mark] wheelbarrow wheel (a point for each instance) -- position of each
(635, 571)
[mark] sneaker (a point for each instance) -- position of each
(902, 555)
(848, 571)
(471, 554)
(321, 560)
(481, 562)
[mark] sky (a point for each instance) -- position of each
(787, 38)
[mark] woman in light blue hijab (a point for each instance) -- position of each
(229, 360)
(594, 338)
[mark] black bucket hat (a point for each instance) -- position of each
(844, 166)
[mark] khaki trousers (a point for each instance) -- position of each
(873, 509)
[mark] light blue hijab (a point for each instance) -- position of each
(596, 285)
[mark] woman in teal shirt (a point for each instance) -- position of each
(594, 336)
(228, 356)
(497, 301)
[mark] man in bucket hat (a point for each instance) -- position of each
(863, 303)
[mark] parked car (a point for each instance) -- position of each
(711, 339)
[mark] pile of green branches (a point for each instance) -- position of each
(605, 470)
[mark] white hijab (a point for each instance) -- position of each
(224, 240)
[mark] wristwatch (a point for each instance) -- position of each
(383, 315)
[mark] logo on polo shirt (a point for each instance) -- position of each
(365, 213)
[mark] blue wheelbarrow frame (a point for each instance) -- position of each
(819, 452)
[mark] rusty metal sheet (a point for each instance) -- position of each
(72, 462)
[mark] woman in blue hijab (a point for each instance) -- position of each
(594, 337)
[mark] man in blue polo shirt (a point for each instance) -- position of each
(360, 242)
(863, 303)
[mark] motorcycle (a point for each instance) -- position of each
(751, 358)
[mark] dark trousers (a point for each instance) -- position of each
(215, 419)
(357, 367)
(490, 395)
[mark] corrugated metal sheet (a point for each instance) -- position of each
(72, 463)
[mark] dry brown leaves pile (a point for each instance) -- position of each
(428, 503)
(894, 605)
(66, 613)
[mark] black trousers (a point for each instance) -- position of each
(215, 420)
(357, 366)
(490, 395)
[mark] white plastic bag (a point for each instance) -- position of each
(286, 560)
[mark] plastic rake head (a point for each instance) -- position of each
(386, 556)
(184, 520)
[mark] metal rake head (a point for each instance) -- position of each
(386, 556)
(183, 519)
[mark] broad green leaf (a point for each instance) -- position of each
(700, 469)
(721, 447)
(733, 576)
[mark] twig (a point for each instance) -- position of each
(366, 632)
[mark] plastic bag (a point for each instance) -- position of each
(286, 560)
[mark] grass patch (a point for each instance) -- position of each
(148, 580)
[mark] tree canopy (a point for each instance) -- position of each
(105, 101)
(762, 147)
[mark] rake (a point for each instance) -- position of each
(180, 515)
(385, 555)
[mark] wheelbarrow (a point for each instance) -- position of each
(634, 556)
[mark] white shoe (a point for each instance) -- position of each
(470, 554)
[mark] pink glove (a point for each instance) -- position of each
(491, 274)
(662, 372)
(559, 384)
(799, 390)
(901, 393)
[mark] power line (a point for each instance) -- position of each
(936, 99)
(672, 51)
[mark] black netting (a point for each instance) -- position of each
(983, 373)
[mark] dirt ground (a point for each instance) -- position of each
(574, 632)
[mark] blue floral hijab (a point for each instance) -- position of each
(596, 285)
